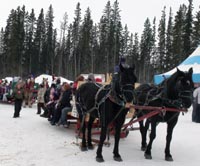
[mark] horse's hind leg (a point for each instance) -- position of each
(89, 140)
(99, 157)
(83, 128)
(152, 137)
(170, 127)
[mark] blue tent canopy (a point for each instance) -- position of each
(193, 61)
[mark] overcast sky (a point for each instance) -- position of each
(133, 12)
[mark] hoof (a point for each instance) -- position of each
(90, 147)
(99, 159)
(83, 148)
(119, 159)
(143, 148)
(147, 156)
(169, 158)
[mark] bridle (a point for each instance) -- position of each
(182, 92)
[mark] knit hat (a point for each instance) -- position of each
(91, 77)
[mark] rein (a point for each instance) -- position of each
(156, 111)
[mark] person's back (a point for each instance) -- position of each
(196, 105)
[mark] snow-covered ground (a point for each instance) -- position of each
(31, 141)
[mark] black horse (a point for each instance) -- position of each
(108, 104)
(174, 92)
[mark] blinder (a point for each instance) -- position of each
(184, 92)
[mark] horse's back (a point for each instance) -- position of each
(142, 92)
(86, 94)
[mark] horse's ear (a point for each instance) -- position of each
(178, 70)
(121, 67)
(190, 70)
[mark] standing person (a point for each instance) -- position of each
(40, 98)
(46, 98)
(26, 91)
(30, 92)
(196, 105)
(18, 95)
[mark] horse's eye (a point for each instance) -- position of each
(188, 82)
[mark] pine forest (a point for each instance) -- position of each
(30, 44)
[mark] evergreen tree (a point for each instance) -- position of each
(125, 42)
(20, 37)
(178, 32)
(116, 34)
(94, 49)
(68, 57)
(55, 52)
(30, 39)
(39, 43)
(136, 49)
(85, 43)
(75, 40)
(105, 35)
(134, 52)
(154, 58)
(2, 69)
(103, 47)
(196, 31)
(146, 45)
(7, 44)
(61, 62)
(49, 48)
(188, 31)
(169, 37)
(162, 42)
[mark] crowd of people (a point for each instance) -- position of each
(53, 101)
(56, 100)
(5, 90)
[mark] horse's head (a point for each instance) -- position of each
(127, 80)
(180, 87)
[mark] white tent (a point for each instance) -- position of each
(40, 78)
(192, 61)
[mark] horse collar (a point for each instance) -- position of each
(116, 100)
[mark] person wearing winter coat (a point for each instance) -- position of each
(40, 99)
(67, 97)
(51, 98)
(30, 92)
(63, 102)
(196, 105)
(18, 95)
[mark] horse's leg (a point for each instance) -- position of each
(147, 153)
(99, 157)
(118, 125)
(170, 127)
(89, 140)
(143, 131)
(83, 128)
